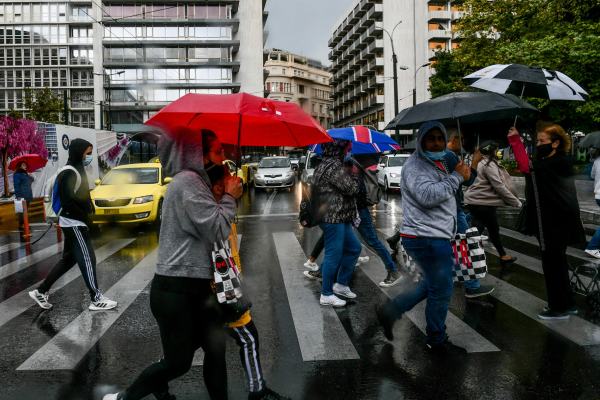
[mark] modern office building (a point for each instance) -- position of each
(120, 62)
(361, 52)
(301, 80)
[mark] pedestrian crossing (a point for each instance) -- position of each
(22, 263)
(319, 331)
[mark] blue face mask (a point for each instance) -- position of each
(435, 156)
(87, 161)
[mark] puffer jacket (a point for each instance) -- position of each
(337, 188)
(492, 187)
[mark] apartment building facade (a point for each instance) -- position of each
(301, 80)
(361, 52)
(120, 62)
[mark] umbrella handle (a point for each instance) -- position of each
(516, 116)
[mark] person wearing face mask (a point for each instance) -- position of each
(429, 189)
(337, 184)
(552, 211)
(74, 221)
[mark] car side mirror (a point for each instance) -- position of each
(167, 180)
(97, 182)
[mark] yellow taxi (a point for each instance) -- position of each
(232, 170)
(130, 194)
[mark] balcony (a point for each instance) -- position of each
(457, 14)
(439, 15)
(439, 34)
(378, 44)
(379, 99)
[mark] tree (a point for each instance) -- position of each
(43, 105)
(558, 34)
(19, 136)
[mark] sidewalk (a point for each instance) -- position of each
(590, 211)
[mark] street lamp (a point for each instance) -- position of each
(104, 74)
(394, 63)
(415, 92)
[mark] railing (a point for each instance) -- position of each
(439, 34)
(439, 15)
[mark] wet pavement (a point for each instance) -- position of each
(307, 352)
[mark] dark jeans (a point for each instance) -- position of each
(187, 322)
(595, 242)
(485, 217)
(434, 257)
(368, 233)
(342, 249)
(77, 248)
(556, 274)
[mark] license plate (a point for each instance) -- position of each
(269, 182)
(107, 212)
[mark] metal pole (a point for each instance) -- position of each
(109, 114)
(395, 66)
(462, 150)
(101, 115)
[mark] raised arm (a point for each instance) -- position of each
(518, 150)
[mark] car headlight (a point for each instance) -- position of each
(143, 199)
(259, 176)
(393, 175)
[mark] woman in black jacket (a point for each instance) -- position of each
(552, 211)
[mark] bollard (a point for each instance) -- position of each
(58, 233)
(27, 235)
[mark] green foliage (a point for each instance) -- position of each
(558, 34)
(14, 113)
(43, 105)
(511, 167)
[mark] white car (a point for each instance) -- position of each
(274, 172)
(311, 162)
(389, 169)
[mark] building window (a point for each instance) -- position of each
(283, 71)
(301, 89)
(437, 7)
(273, 70)
(437, 45)
(314, 108)
(436, 27)
(321, 108)
(381, 116)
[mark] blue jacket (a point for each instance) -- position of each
(22, 183)
(428, 195)
(452, 161)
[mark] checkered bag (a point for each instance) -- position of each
(410, 264)
(469, 257)
(227, 275)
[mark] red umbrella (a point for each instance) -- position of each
(34, 162)
(243, 120)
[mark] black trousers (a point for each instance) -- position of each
(485, 217)
(319, 246)
(77, 248)
(246, 338)
(556, 273)
(187, 322)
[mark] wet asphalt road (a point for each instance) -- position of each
(512, 355)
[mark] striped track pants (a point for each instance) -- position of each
(246, 338)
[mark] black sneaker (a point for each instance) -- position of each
(572, 311)
(313, 275)
(163, 394)
(481, 291)
(393, 240)
(266, 394)
(446, 348)
(553, 315)
(393, 278)
(386, 318)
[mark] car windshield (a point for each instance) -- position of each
(294, 156)
(132, 176)
(313, 161)
(274, 163)
(396, 161)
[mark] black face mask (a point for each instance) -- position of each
(543, 150)
(214, 171)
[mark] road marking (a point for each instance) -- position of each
(25, 262)
(70, 345)
(267, 210)
(321, 335)
(10, 246)
(21, 302)
(461, 334)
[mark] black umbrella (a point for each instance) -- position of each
(465, 107)
(412, 145)
(590, 141)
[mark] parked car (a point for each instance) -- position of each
(294, 157)
(306, 174)
(389, 169)
(130, 194)
(274, 172)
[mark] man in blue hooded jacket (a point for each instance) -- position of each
(429, 204)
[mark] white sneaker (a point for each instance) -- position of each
(332, 300)
(41, 299)
(102, 304)
(342, 290)
(593, 253)
(112, 396)
(484, 238)
(361, 260)
(313, 266)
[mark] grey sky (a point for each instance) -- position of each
(303, 26)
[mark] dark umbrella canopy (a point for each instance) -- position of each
(466, 106)
(412, 145)
(590, 141)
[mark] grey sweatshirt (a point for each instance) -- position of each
(428, 195)
(192, 220)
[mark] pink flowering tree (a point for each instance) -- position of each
(19, 136)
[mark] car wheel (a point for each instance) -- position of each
(385, 184)
(159, 214)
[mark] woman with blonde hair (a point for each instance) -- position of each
(552, 211)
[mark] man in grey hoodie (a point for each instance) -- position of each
(429, 204)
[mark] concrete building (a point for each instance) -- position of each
(301, 80)
(361, 52)
(121, 62)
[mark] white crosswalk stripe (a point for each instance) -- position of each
(20, 302)
(83, 332)
(22, 263)
(10, 246)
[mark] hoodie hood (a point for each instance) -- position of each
(334, 149)
(182, 150)
(76, 150)
(426, 127)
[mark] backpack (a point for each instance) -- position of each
(308, 214)
(52, 203)
(374, 192)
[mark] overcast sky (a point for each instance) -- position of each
(303, 26)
